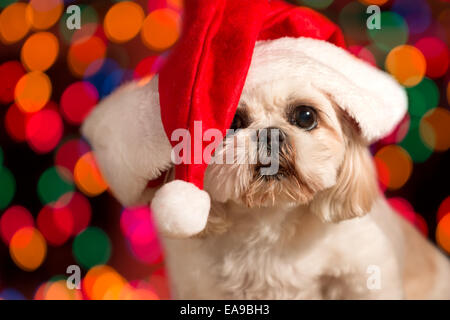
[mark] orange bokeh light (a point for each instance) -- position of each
(161, 29)
(13, 23)
(123, 21)
(399, 164)
(28, 248)
(407, 64)
(42, 14)
(39, 51)
(33, 91)
(88, 177)
(443, 233)
(83, 53)
(435, 129)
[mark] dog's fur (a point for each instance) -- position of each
(322, 231)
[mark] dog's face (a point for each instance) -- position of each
(311, 150)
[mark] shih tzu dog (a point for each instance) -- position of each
(318, 227)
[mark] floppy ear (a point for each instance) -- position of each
(356, 186)
(370, 96)
(128, 139)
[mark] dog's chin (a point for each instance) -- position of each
(284, 188)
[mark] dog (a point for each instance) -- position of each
(318, 228)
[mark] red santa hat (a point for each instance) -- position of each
(203, 79)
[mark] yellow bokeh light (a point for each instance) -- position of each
(42, 14)
(397, 162)
(88, 177)
(33, 91)
(435, 129)
(443, 233)
(161, 29)
(39, 51)
(123, 21)
(407, 64)
(13, 23)
(28, 248)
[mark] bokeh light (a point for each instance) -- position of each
(68, 154)
(42, 14)
(316, 4)
(161, 29)
(417, 14)
(407, 64)
(435, 129)
(16, 122)
(10, 74)
(28, 248)
(88, 177)
(83, 53)
(399, 165)
(43, 130)
(436, 54)
(444, 209)
(443, 233)
(393, 33)
(40, 51)
(77, 101)
(123, 21)
(33, 91)
(138, 228)
(14, 219)
(57, 290)
(7, 187)
(13, 23)
(52, 185)
(88, 27)
(91, 247)
(56, 224)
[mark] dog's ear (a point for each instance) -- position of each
(128, 139)
(356, 186)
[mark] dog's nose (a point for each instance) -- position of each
(266, 135)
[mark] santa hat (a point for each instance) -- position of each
(204, 76)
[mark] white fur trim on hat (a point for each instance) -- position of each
(128, 139)
(180, 209)
(370, 96)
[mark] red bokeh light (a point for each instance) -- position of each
(13, 219)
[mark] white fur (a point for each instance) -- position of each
(128, 139)
(171, 214)
(284, 250)
(373, 98)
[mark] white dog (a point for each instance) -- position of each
(318, 229)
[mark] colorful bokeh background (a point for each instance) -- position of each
(55, 208)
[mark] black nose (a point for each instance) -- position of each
(266, 135)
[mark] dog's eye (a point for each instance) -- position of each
(305, 117)
(238, 122)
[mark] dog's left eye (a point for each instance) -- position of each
(304, 117)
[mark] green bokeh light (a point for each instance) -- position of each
(393, 31)
(316, 4)
(52, 185)
(7, 187)
(414, 144)
(5, 3)
(88, 19)
(91, 247)
(422, 97)
(352, 19)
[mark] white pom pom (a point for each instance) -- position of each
(180, 209)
